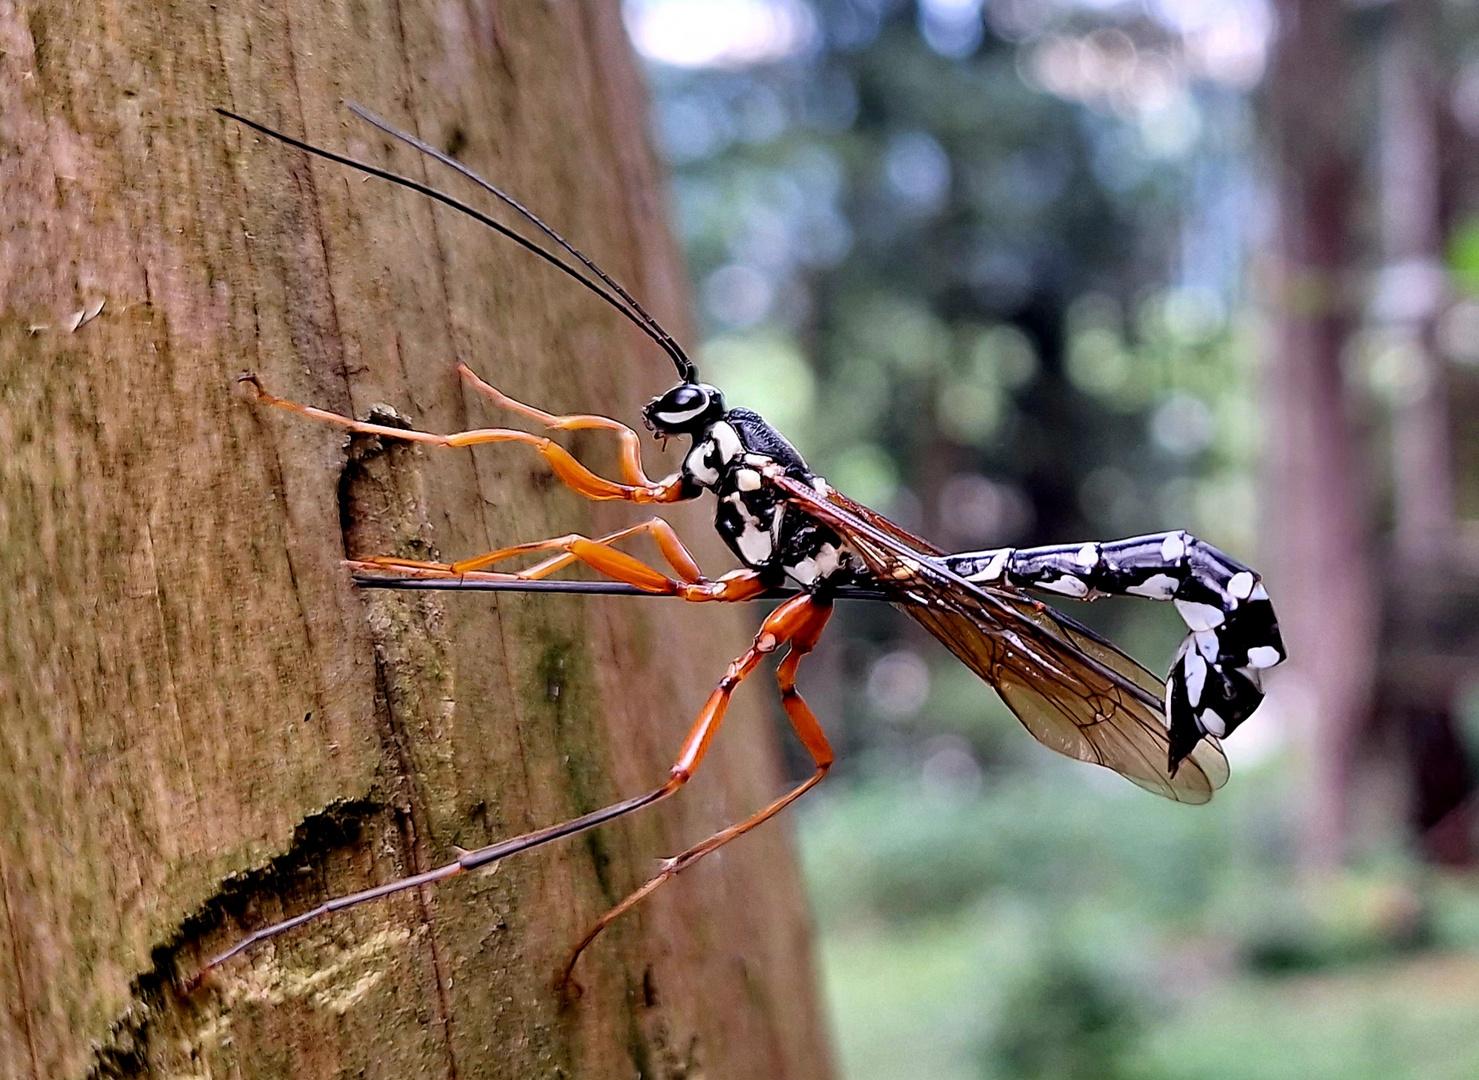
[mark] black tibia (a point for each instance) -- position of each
(1216, 680)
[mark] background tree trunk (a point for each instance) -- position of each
(1320, 561)
(203, 726)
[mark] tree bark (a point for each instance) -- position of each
(203, 727)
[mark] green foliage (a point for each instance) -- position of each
(1060, 922)
(923, 224)
(1463, 255)
(1064, 1021)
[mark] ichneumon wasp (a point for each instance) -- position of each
(1072, 689)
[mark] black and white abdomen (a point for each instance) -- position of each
(1216, 679)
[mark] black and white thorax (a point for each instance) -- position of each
(753, 516)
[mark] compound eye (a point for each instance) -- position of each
(684, 398)
(682, 403)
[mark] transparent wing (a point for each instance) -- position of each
(1074, 691)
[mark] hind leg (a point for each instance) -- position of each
(810, 622)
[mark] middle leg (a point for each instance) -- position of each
(600, 555)
(673, 550)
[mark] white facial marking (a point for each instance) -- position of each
(727, 441)
(1263, 656)
(1212, 724)
(747, 480)
(1241, 585)
(697, 465)
(1087, 556)
(1199, 616)
(1208, 645)
(672, 419)
(1196, 676)
(1068, 585)
(1156, 587)
(1258, 593)
(1173, 547)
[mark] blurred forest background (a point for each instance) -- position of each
(1030, 271)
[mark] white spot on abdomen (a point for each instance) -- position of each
(1200, 616)
(1213, 724)
(1156, 587)
(1173, 548)
(1068, 585)
(747, 480)
(1263, 656)
(1196, 675)
(1240, 587)
(994, 567)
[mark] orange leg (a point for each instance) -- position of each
(601, 556)
(810, 619)
(672, 548)
(792, 618)
(574, 475)
(631, 444)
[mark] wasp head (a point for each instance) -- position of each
(686, 409)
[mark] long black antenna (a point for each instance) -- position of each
(643, 322)
(686, 368)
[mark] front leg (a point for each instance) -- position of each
(1217, 676)
(631, 444)
(574, 475)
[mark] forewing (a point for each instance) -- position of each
(1071, 706)
(1075, 692)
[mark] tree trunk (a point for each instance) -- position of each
(1412, 287)
(1419, 709)
(203, 727)
(1321, 566)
